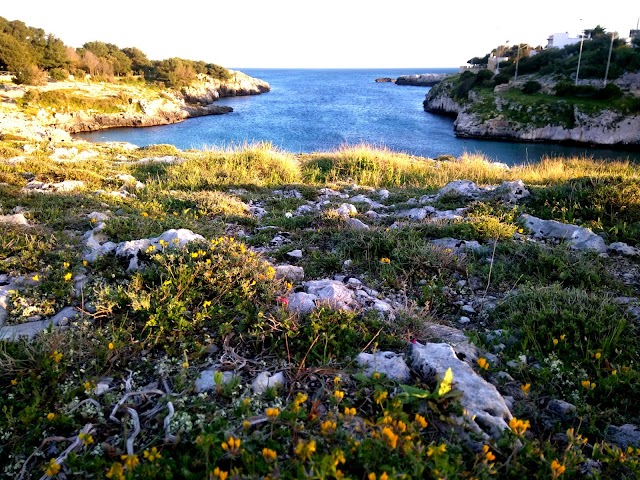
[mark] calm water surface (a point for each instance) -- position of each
(319, 110)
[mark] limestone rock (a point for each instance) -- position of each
(15, 219)
(389, 363)
(625, 436)
(290, 272)
(295, 253)
(31, 329)
(415, 214)
(356, 224)
(579, 238)
(301, 302)
(561, 409)
(265, 380)
(459, 188)
(205, 382)
(485, 410)
(511, 192)
(624, 249)
(346, 210)
(336, 294)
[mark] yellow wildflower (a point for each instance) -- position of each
(379, 396)
(130, 461)
(376, 376)
(68, 276)
(420, 421)
(385, 260)
(152, 455)
(519, 426)
(14, 381)
(586, 383)
(390, 438)
(35, 278)
(336, 380)
(483, 363)
(338, 458)
(194, 255)
(328, 427)
(145, 214)
(218, 474)
(111, 346)
(53, 468)
(232, 446)
(525, 388)
(85, 263)
(555, 341)
(269, 455)
(598, 355)
(305, 450)
(272, 413)
(338, 395)
(488, 455)
(563, 337)
(116, 472)
(66, 264)
(206, 304)
(301, 398)
(51, 416)
(246, 424)
(87, 439)
(56, 356)
(436, 450)
(87, 385)
(349, 412)
(557, 469)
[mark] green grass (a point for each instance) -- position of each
(217, 306)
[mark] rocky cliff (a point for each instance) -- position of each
(605, 127)
(137, 106)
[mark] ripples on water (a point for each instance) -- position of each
(320, 110)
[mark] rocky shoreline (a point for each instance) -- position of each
(607, 128)
(143, 109)
(420, 80)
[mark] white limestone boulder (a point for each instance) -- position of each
(485, 410)
(390, 363)
(579, 238)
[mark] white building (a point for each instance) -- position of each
(561, 40)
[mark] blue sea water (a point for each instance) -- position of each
(319, 110)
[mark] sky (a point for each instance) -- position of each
(319, 34)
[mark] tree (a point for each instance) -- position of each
(139, 60)
(479, 60)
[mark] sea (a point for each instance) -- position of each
(314, 110)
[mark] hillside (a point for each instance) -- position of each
(349, 314)
(535, 96)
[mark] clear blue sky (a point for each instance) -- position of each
(321, 34)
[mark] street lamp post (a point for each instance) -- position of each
(606, 72)
(580, 55)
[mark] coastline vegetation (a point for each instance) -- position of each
(32, 55)
(218, 305)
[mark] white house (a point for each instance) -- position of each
(561, 40)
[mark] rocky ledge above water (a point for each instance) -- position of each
(421, 80)
(143, 107)
(500, 117)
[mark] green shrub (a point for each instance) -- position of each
(58, 74)
(531, 86)
(219, 288)
(577, 337)
(501, 79)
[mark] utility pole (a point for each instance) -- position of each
(517, 62)
(606, 72)
(498, 58)
(580, 54)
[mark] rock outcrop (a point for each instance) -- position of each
(422, 80)
(606, 128)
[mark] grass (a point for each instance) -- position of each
(217, 306)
